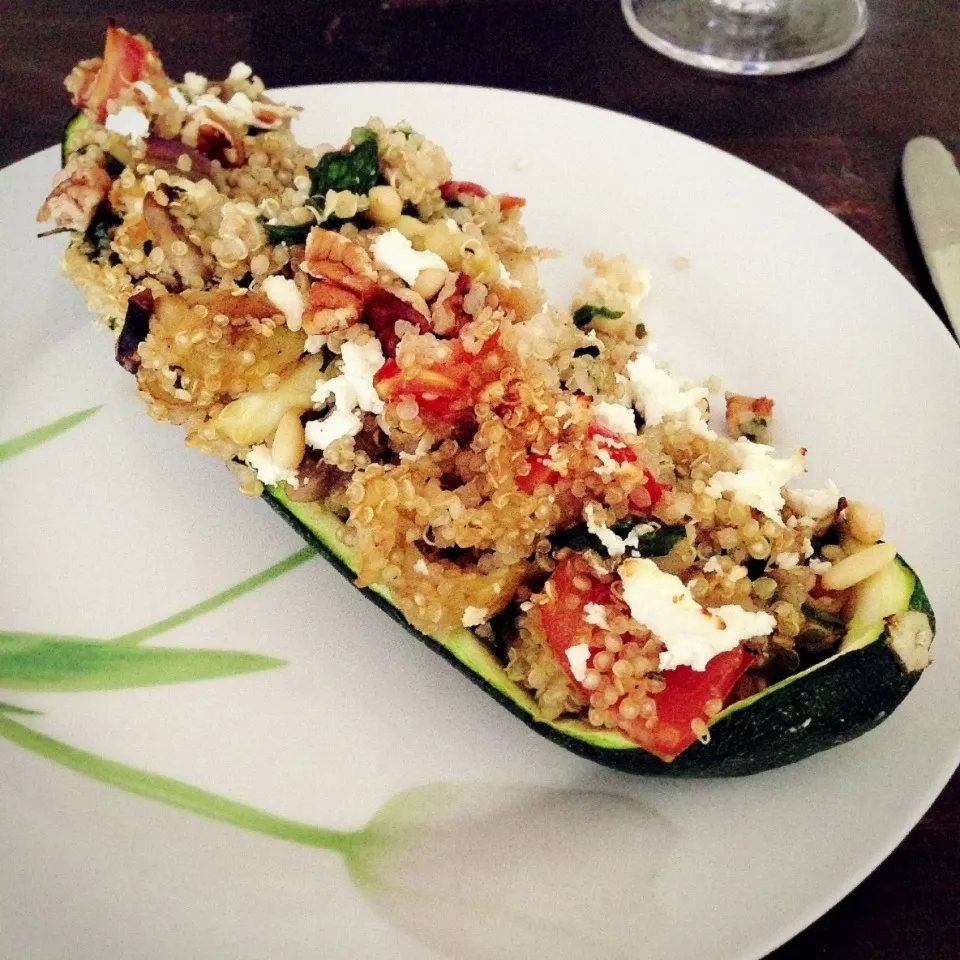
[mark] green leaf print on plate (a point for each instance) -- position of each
(33, 438)
(431, 859)
(38, 663)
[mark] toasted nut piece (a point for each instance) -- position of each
(289, 443)
(858, 566)
(385, 205)
(864, 521)
(430, 282)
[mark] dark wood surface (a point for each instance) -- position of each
(836, 134)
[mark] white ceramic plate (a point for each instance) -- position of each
(113, 525)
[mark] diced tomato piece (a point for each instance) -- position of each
(612, 441)
(507, 202)
(127, 58)
(452, 189)
(540, 472)
(445, 395)
(687, 691)
(381, 312)
(647, 494)
(562, 619)
(684, 699)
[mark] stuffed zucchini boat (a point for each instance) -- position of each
(363, 340)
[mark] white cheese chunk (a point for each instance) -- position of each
(713, 565)
(314, 343)
(505, 277)
(759, 481)
(240, 71)
(237, 111)
(815, 504)
(268, 471)
(596, 615)
(129, 122)
(286, 297)
(195, 84)
(149, 94)
(354, 387)
(421, 567)
(353, 392)
(611, 542)
(474, 616)
(577, 657)
(615, 417)
(178, 98)
(659, 396)
(393, 251)
(691, 634)
(334, 426)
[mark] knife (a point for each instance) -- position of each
(932, 184)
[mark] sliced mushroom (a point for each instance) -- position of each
(178, 251)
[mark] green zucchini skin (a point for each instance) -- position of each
(823, 709)
(77, 123)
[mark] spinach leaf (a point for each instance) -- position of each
(655, 543)
(590, 311)
(356, 169)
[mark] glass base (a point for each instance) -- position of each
(749, 37)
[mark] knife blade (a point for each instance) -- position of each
(932, 184)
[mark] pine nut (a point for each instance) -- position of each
(858, 566)
(385, 205)
(289, 442)
(864, 521)
(429, 282)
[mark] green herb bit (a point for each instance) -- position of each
(590, 311)
(356, 169)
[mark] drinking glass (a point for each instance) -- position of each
(749, 36)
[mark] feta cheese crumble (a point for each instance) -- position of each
(615, 417)
(353, 392)
(315, 342)
(760, 478)
(195, 84)
(596, 615)
(421, 567)
(286, 297)
(237, 111)
(474, 616)
(240, 71)
(613, 544)
(149, 94)
(815, 504)
(335, 425)
(506, 278)
(178, 98)
(129, 122)
(659, 396)
(577, 657)
(691, 634)
(713, 565)
(393, 251)
(268, 471)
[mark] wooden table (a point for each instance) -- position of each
(836, 134)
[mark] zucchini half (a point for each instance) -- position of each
(881, 657)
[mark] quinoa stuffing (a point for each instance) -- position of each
(353, 327)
